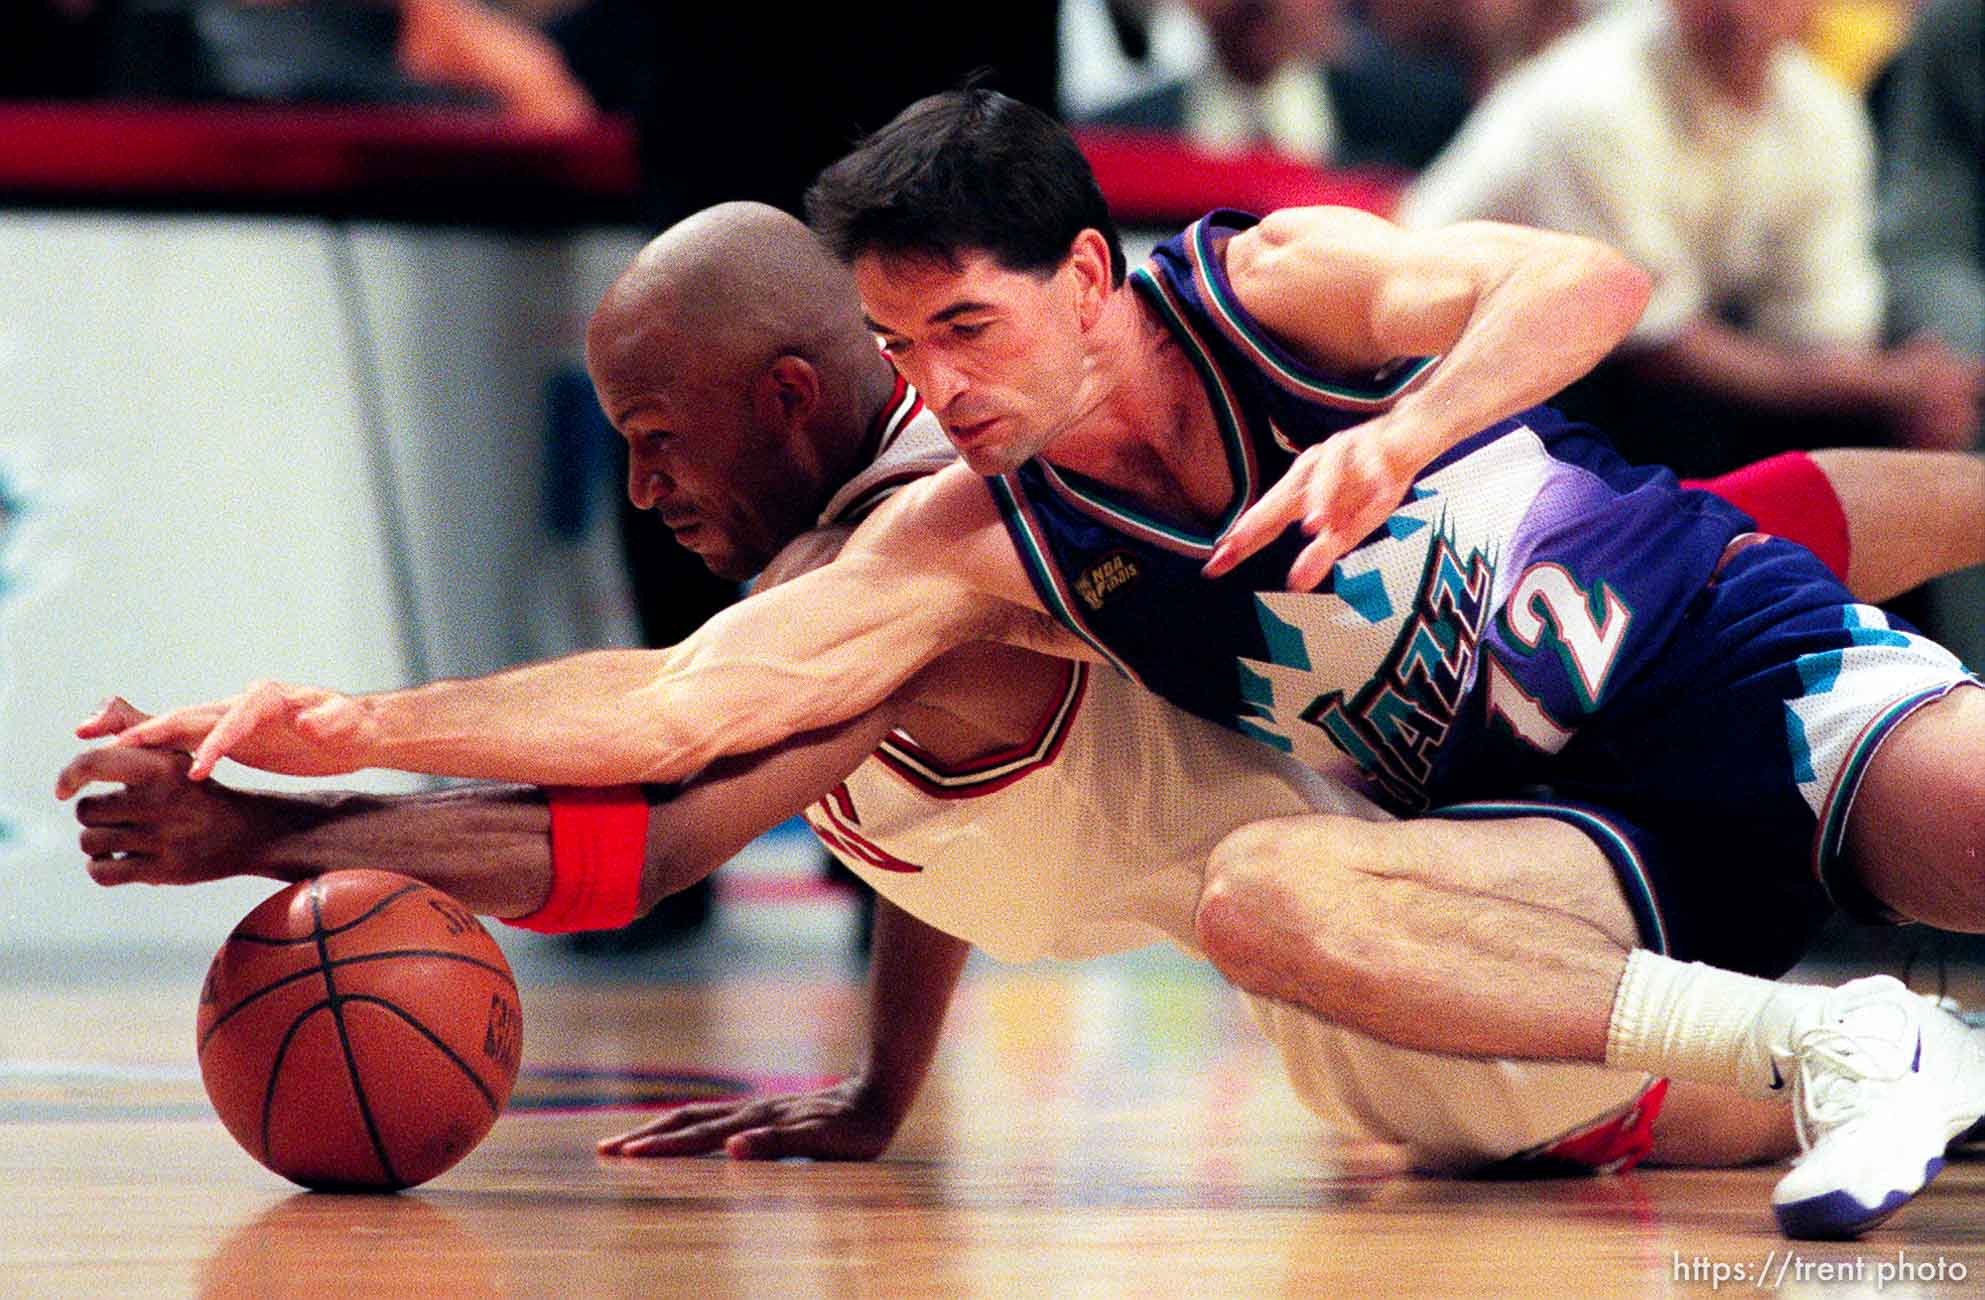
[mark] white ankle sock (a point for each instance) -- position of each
(1685, 1020)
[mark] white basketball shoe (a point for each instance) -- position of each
(1883, 1081)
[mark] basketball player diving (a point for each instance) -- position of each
(935, 568)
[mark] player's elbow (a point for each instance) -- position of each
(1611, 286)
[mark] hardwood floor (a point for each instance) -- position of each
(1115, 1128)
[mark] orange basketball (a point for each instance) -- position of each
(359, 1031)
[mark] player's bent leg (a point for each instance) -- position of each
(1916, 831)
(1463, 1115)
(1480, 938)
(1700, 1126)
(1883, 1081)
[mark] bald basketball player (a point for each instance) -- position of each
(753, 412)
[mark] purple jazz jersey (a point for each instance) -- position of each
(1537, 615)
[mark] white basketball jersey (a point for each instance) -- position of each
(1092, 837)
(1089, 838)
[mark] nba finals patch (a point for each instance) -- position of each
(1106, 577)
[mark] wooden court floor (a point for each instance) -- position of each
(1108, 1129)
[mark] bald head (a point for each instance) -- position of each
(733, 285)
(732, 357)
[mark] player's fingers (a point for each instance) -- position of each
(90, 766)
(77, 773)
(1258, 525)
(236, 725)
(112, 716)
(180, 729)
(153, 731)
(812, 1139)
(1345, 500)
(105, 810)
(109, 763)
(130, 869)
(1316, 561)
(684, 1130)
(763, 1144)
(688, 1116)
(102, 841)
(694, 1141)
(98, 723)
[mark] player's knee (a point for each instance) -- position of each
(1244, 850)
(1220, 923)
(1299, 846)
(1245, 885)
(1964, 860)
(1916, 835)
(1279, 917)
(1933, 869)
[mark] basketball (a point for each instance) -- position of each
(360, 1031)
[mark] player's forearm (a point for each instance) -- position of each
(488, 846)
(913, 973)
(829, 646)
(1543, 315)
(588, 719)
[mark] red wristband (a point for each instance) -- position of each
(1791, 497)
(599, 843)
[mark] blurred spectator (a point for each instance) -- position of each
(290, 51)
(481, 50)
(1307, 80)
(1114, 49)
(1483, 39)
(1930, 227)
(1699, 138)
(1930, 230)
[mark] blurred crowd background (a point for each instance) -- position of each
(1802, 178)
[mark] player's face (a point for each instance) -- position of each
(996, 354)
(728, 488)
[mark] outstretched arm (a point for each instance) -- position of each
(913, 972)
(1515, 314)
(817, 651)
(488, 845)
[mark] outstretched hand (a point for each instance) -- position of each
(278, 727)
(833, 1123)
(1339, 490)
(160, 828)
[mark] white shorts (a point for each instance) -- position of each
(1462, 1114)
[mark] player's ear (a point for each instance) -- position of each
(1089, 263)
(787, 391)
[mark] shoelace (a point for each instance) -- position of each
(1833, 1063)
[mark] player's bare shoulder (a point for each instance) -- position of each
(1290, 246)
(1310, 277)
(945, 529)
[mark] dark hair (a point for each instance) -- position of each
(967, 170)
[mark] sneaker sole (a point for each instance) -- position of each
(1837, 1216)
